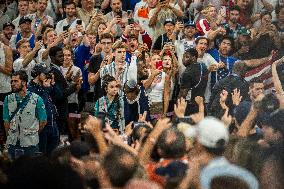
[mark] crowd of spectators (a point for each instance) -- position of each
(150, 94)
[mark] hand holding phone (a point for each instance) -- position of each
(79, 22)
(159, 65)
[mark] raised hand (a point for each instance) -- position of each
(236, 97)
(223, 98)
(180, 107)
(199, 100)
(227, 118)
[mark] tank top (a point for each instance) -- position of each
(5, 84)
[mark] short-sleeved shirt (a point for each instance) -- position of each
(40, 108)
(195, 78)
(18, 65)
(221, 72)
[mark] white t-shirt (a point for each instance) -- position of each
(64, 22)
(18, 65)
(5, 80)
(73, 98)
(208, 60)
(156, 92)
(181, 45)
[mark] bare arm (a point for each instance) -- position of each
(7, 127)
(153, 19)
(166, 95)
(268, 6)
(177, 12)
(32, 54)
(275, 77)
(247, 123)
(93, 125)
(147, 83)
(256, 62)
(93, 77)
(145, 153)
(46, 52)
(42, 125)
(8, 67)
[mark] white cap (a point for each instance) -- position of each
(210, 131)
(188, 130)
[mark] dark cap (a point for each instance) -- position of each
(173, 169)
(7, 24)
(24, 19)
(38, 69)
(169, 20)
(190, 23)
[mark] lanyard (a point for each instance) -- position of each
(201, 75)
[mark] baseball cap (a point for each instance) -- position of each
(173, 169)
(190, 23)
(7, 24)
(40, 69)
(169, 20)
(24, 19)
(131, 83)
(210, 131)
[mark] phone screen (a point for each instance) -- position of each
(159, 65)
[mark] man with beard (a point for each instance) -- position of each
(116, 6)
(71, 20)
(40, 18)
(87, 11)
(64, 90)
(233, 28)
(42, 86)
(7, 33)
(24, 117)
(193, 80)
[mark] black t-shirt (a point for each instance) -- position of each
(161, 41)
(195, 77)
(94, 66)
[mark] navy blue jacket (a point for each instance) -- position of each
(44, 93)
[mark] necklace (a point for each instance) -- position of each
(135, 100)
(200, 78)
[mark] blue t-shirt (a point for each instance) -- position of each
(221, 72)
(82, 57)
